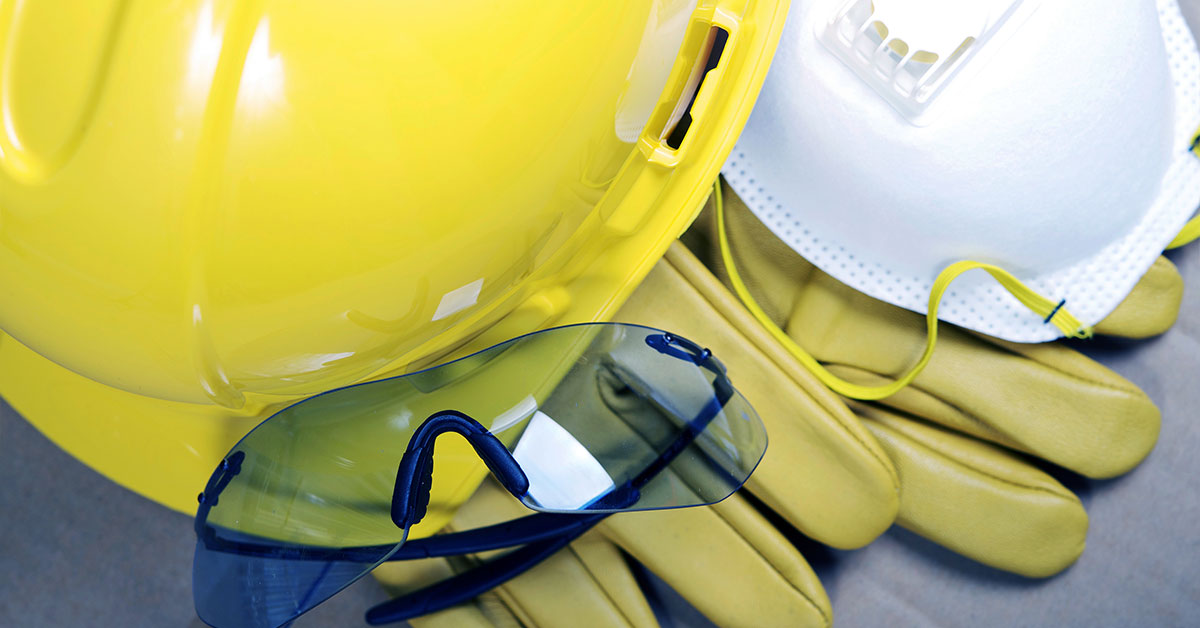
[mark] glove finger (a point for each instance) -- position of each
(819, 453)
(728, 561)
(1151, 308)
(1044, 400)
(587, 584)
(1115, 424)
(978, 499)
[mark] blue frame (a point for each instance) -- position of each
(540, 534)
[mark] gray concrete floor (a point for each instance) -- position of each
(78, 550)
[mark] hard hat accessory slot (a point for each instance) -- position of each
(682, 120)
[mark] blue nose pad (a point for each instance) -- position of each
(414, 477)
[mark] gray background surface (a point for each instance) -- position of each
(77, 550)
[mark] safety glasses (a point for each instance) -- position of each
(577, 422)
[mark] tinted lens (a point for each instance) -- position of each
(272, 525)
(643, 420)
(600, 417)
(236, 587)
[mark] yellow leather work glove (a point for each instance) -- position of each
(823, 474)
(960, 434)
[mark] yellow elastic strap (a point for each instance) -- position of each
(1191, 230)
(1054, 313)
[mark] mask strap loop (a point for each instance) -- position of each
(1053, 311)
(1191, 230)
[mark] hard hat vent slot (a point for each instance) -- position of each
(681, 118)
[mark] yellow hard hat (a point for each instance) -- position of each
(210, 209)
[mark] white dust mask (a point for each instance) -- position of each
(894, 138)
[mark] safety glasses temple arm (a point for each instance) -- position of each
(462, 587)
(534, 528)
(530, 529)
(723, 391)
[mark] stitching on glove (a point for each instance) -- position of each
(1004, 439)
(1008, 441)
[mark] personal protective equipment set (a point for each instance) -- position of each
(242, 247)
